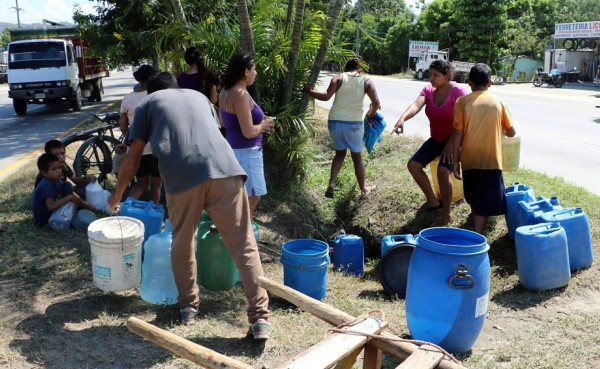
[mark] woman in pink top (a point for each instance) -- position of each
(438, 99)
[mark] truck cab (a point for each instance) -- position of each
(425, 60)
(42, 71)
(50, 66)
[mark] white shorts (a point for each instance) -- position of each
(251, 160)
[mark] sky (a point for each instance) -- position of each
(33, 11)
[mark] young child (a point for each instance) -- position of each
(57, 148)
(52, 192)
(480, 119)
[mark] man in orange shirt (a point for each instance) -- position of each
(480, 119)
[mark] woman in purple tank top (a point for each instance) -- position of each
(244, 123)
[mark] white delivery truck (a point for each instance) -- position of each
(48, 66)
(461, 69)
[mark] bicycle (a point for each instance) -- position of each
(95, 154)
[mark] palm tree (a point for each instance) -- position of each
(179, 9)
(335, 8)
(288, 85)
(247, 40)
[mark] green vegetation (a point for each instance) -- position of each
(50, 306)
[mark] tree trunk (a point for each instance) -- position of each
(290, 14)
(288, 85)
(335, 8)
(179, 9)
(247, 41)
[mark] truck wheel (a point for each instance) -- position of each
(420, 75)
(20, 106)
(76, 101)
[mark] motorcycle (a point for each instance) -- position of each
(552, 78)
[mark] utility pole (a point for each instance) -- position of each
(357, 42)
(16, 7)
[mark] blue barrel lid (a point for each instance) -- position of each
(452, 241)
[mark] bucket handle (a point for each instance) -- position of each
(462, 275)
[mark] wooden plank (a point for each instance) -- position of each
(386, 342)
(372, 358)
(335, 347)
(197, 354)
(349, 361)
(426, 357)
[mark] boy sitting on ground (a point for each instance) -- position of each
(57, 148)
(52, 192)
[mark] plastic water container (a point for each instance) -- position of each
(217, 270)
(61, 218)
(579, 239)
(511, 151)
(116, 248)
(348, 254)
(158, 283)
(393, 267)
(94, 194)
(529, 213)
(388, 242)
(82, 219)
(148, 212)
(448, 287)
(542, 256)
(457, 185)
(515, 193)
(305, 265)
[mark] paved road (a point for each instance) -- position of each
(560, 127)
(22, 137)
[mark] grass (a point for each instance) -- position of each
(51, 314)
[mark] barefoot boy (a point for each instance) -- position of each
(52, 192)
(57, 148)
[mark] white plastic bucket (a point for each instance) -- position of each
(116, 247)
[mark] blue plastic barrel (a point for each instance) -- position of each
(148, 212)
(448, 287)
(579, 239)
(515, 193)
(529, 213)
(542, 256)
(387, 242)
(349, 254)
(305, 265)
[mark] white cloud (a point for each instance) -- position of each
(33, 11)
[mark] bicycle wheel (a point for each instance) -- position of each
(93, 157)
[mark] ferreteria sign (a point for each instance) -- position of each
(577, 30)
(416, 48)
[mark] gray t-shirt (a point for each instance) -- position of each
(181, 126)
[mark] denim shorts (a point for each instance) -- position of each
(251, 160)
(346, 135)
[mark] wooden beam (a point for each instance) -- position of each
(372, 358)
(197, 354)
(426, 357)
(336, 347)
(386, 341)
(349, 361)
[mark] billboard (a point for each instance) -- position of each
(415, 48)
(577, 30)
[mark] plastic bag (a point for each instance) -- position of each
(373, 129)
